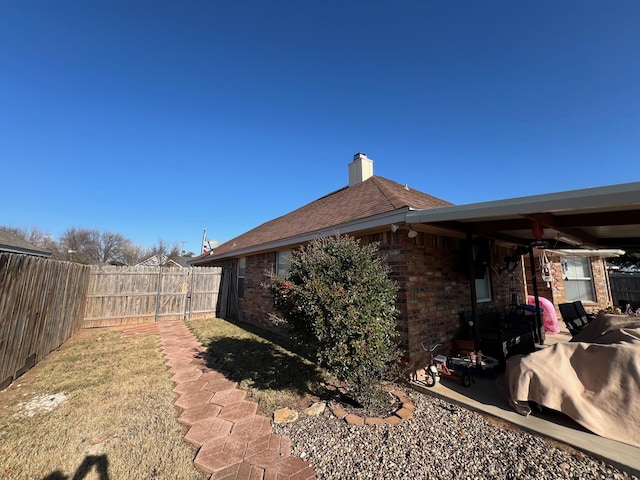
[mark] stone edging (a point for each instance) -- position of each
(405, 412)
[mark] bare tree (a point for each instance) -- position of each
(93, 246)
(133, 254)
(109, 247)
(163, 248)
(75, 245)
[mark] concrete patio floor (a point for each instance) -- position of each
(488, 395)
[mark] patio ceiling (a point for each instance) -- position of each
(596, 218)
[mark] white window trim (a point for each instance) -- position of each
(241, 274)
(589, 279)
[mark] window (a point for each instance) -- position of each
(283, 263)
(242, 267)
(578, 283)
(481, 249)
(483, 288)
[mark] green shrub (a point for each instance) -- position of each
(339, 297)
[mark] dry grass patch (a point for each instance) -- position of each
(99, 407)
(270, 367)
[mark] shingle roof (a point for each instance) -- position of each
(12, 244)
(374, 196)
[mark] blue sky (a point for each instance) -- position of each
(158, 119)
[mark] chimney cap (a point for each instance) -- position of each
(359, 155)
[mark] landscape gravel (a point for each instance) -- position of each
(441, 441)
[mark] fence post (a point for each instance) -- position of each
(159, 292)
(188, 294)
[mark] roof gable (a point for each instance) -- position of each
(374, 196)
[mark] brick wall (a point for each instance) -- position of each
(257, 304)
(556, 292)
(432, 276)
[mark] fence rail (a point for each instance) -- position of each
(44, 302)
(625, 289)
(41, 306)
(133, 295)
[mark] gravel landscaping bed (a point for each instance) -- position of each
(441, 441)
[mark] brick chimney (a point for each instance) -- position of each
(360, 169)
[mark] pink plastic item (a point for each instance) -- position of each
(549, 317)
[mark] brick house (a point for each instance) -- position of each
(429, 265)
(442, 266)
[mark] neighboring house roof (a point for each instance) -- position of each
(376, 199)
(160, 259)
(182, 261)
(12, 244)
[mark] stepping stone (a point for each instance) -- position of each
(196, 414)
(251, 428)
(208, 430)
(227, 397)
(239, 410)
(195, 399)
(186, 376)
(189, 387)
(268, 450)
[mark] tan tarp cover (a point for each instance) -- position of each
(594, 379)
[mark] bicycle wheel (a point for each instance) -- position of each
(430, 378)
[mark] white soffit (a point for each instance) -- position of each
(592, 199)
(575, 252)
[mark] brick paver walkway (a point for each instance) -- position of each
(234, 441)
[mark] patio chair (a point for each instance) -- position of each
(575, 316)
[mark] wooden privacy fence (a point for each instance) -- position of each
(41, 306)
(625, 289)
(134, 295)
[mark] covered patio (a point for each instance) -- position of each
(596, 219)
(593, 219)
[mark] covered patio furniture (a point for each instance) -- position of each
(594, 379)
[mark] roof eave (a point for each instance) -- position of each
(360, 225)
(24, 251)
(611, 195)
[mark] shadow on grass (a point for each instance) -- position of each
(100, 462)
(280, 339)
(264, 365)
